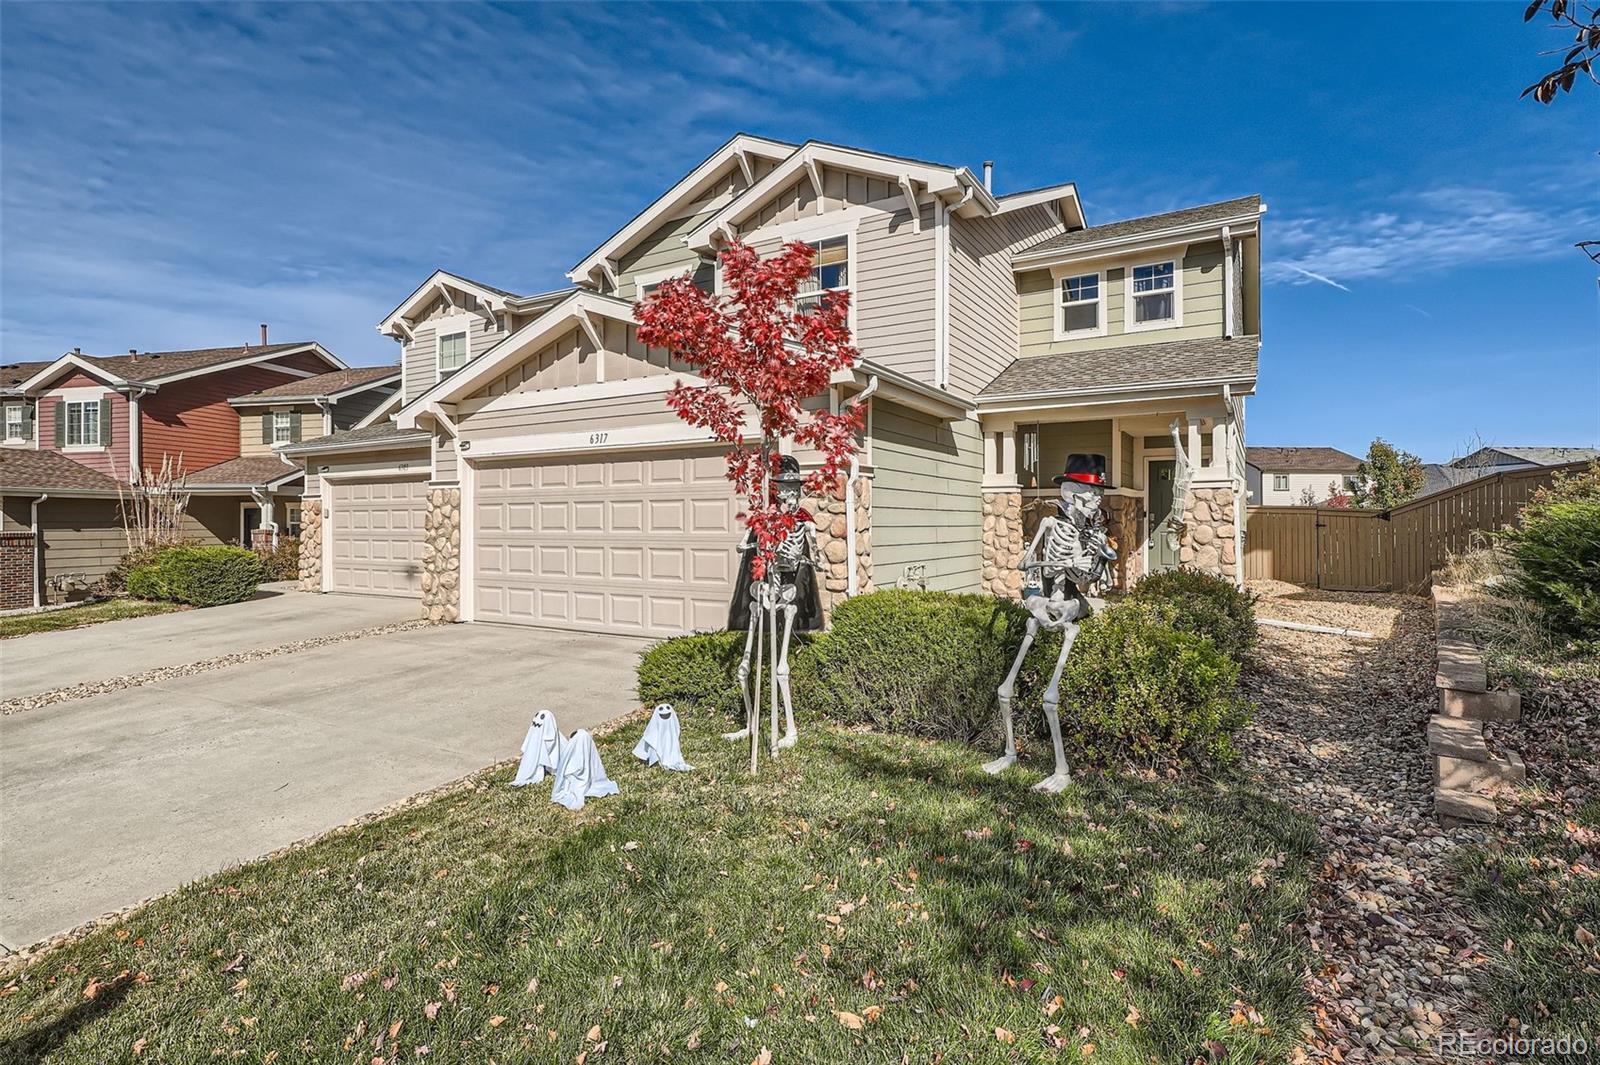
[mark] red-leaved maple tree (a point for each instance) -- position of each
(762, 357)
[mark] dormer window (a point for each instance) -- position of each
(1154, 295)
(1080, 313)
(452, 352)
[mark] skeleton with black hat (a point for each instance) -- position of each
(1069, 553)
(790, 589)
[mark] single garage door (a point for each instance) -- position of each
(377, 536)
(641, 544)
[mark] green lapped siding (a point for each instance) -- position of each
(927, 498)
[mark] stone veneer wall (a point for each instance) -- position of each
(441, 556)
(1208, 532)
(311, 545)
(833, 542)
(1125, 515)
(1002, 543)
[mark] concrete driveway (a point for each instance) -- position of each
(46, 661)
(110, 799)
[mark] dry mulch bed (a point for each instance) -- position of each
(1339, 734)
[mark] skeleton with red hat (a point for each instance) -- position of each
(1069, 553)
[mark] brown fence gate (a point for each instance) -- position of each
(1376, 551)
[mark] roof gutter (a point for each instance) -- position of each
(1112, 244)
(1222, 383)
(410, 440)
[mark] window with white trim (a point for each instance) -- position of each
(452, 351)
(15, 425)
(282, 427)
(1080, 305)
(291, 519)
(1280, 482)
(1155, 296)
(83, 423)
(830, 272)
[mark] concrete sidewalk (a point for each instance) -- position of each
(46, 661)
(107, 800)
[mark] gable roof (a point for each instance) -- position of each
(14, 374)
(1213, 361)
(24, 471)
(395, 323)
(1310, 459)
(1175, 223)
(1537, 456)
(683, 192)
(378, 435)
(324, 386)
(156, 367)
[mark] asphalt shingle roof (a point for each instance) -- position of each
(1548, 456)
(324, 385)
(1132, 227)
(12, 374)
(377, 433)
(1314, 459)
(23, 469)
(1168, 362)
(149, 365)
(251, 470)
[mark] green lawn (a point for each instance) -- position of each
(873, 897)
(76, 617)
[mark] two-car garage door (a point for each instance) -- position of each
(641, 544)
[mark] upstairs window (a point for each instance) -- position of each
(1155, 296)
(1080, 305)
(282, 427)
(1280, 482)
(83, 423)
(830, 272)
(16, 425)
(452, 352)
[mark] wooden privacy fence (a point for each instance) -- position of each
(1380, 551)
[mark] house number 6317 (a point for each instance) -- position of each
(598, 438)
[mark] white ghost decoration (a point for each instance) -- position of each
(660, 740)
(541, 750)
(580, 775)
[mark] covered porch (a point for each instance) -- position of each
(1026, 444)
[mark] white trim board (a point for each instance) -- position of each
(627, 438)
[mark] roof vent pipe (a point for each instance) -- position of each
(263, 334)
(988, 175)
(133, 353)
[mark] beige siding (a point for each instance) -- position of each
(571, 359)
(591, 414)
(250, 433)
(446, 468)
(663, 249)
(351, 409)
(83, 538)
(416, 461)
(840, 188)
(927, 502)
(420, 356)
(983, 291)
(1202, 304)
(1057, 440)
(895, 297)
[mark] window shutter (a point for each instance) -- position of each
(266, 427)
(61, 423)
(28, 415)
(294, 426)
(105, 420)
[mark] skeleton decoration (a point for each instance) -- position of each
(789, 589)
(1182, 474)
(581, 775)
(660, 742)
(1068, 553)
(541, 750)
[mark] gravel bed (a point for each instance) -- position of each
(1340, 734)
(155, 676)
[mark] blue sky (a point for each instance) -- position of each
(170, 175)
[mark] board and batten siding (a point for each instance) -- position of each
(983, 291)
(420, 356)
(1201, 295)
(927, 498)
(571, 359)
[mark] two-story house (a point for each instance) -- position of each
(1296, 476)
(90, 425)
(533, 473)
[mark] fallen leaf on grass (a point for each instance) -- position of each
(1005, 1036)
(763, 1058)
(497, 1020)
(238, 963)
(872, 1013)
(594, 1034)
(431, 1010)
(1133, 1017)
(138, 1046)
(850, 1020)
(693, 1042)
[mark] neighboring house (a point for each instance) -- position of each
(1281, 476)
(533, 473)
(1490, 460)
(124, 417)
(17, 420)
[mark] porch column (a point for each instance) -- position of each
(1002, 509)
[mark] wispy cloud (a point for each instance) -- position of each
(1439, 229)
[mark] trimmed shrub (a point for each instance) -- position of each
(116, 578)
(1557, 553)
(695, 671)
(1206, 605)
(921, 663)
(281, 563)
(199, 576)
(1139, 685)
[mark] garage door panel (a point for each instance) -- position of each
(633, 545)
(376, 530)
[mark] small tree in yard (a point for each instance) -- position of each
(1387, 477)
(760, 354)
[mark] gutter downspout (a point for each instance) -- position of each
(327, 415)
(38, 554)
(852, 585)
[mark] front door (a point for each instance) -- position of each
(1163, 549)
(249, 522)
